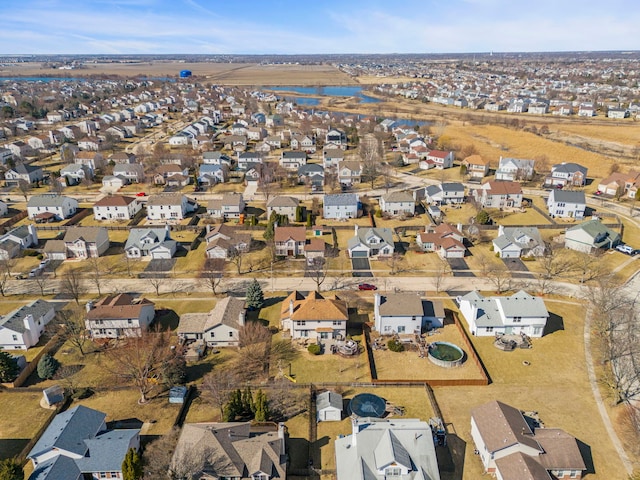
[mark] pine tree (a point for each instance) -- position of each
(132, 465)
(255, 296)
(262, 409)
(47, 367)
(10, 469)
(248, 407)
(298, 213)
(8, 368)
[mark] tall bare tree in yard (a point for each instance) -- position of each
(71, 284)
(217, 386)
(317, 270)
(25, 188)
(554, 264)
(157, 455)
(95, 272)
(371, 156)
(6, 267)
(72, 327)
(211, 275)
(258, 351)
(500, 277)
(441, 272)
(141, 358)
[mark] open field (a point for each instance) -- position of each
(222, 73)
(555, 384)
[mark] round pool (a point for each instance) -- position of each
(446, 354)
(368, 405)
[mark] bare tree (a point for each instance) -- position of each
(71, 284)
(317, 270)
(396, 263)
(590, 266)
(236, 257)
(217, 386)
(140, 359)
(442, 270)
(554, 263)
(6, 266)
(41, 282)
(72, 327)
(25, 188)
(157, 455)
(500, 277)
(95, 272)
(370, 153)
(211, 278)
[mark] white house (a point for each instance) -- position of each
(17, 239)
(444, 194)
(406, 313)
(117, 316)
(150, 242)
(336, 137)
(567, 173)
(398, 203)
(341, 205)
(495, 194)
(21, 328)
(293, 160)
(116, 207)
(515, 314)
(4, 209)
(371, 242)
(283, 205)
(512, 169)
(231, 205)
(328, 407)
(169, 206)
(516, 242)
(219, 327)
(382, 449)
(51, 207)
(566, 203)
(439, 159)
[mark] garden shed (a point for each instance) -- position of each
(329, 407)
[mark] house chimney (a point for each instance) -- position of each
(500, 230)
(354, 431)
(290, 307)
(459, 227)
(282, 430)
(89, 306)
(208, 228)
(34, 234)
(241, 317)
(355, 228)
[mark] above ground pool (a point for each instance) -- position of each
(368, 405)
(446, 354)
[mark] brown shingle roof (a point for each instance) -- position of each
(504, 188)
(314, 307)
(282, 234)
(122, 305)
(519, 466)
(561, 450)
(115, 201)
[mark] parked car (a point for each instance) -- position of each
(35, 272)
(367, 286)
(141, 194)
(598, 192)
(44, 263)
(625, 249)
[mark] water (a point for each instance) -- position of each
(331, 91)
(445, 352)
(41, 79)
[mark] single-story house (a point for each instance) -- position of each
(150, 242)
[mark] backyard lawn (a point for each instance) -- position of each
(15, 432)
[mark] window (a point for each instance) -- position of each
(15, 338)
(573, 473)
(129, 321)
(337, 322)
(300, 323)
(387, 328)
(103, 474)
(517, 319)
(392, 471)
(230, 334)
(401, 329)
(489, 329)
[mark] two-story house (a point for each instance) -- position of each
(496, 194)
(519, 313)
(303, 142)
(218, 327)
(331, 157)
(444, 194)
(314, 316)
(131, 172)
(336, 137)
(398, 203)
(566, 203)
(566, 173)
(349, 172)
(406, 313)
(477, 167)
(224, 241)
(155, 243)
(27, 173)
(371, 243)
(116, 207)
(16, 240)
(512, 169)
(283, 205)
(117, 316)
(169, 206)
(50, 207)
(516, 242)
(21, 329)
(289, 241)
(439, 159)
(445, 239)
(80, 243)
(231, 205)
(341, 205)
(293, 160)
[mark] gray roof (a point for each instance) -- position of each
(569, 196)
(89, 234)
(401, 304)
(283, 201)
(569, 168)
(432, 190)
(21, 232)
(385, 234)
(68, 430)
(452, 187)
(520, 304)
(159, 235)
(523, 237)
(340, 199)
(600, 233)
(392, 197)
(57, 468)
(226, 312)
(380, 443)
(48, 200)
(15, 320)
(107, 451)
(329, 399)
(165, 199)
(294, 154)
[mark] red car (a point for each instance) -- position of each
(367, 286)
(141, 194)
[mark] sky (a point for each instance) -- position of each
(315, 26)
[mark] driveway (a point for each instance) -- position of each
(517, 268)
(361, 267)
(159, 268)
(459, 267)
(250, 191)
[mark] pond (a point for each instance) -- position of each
(330, 91)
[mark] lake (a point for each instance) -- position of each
(330, 91)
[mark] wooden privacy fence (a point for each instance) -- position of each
(51, 346)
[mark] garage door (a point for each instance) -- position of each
(358, 254)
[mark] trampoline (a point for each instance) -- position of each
(367, 405)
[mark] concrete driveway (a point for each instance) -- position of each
(361, 267)
(517, 268)
(458, 267)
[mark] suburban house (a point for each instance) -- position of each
(210, 174)
(439, 159)
(619, 183)
(73, 174)
(21, 328)
(590, 236)
(116, 207)
(283, 205)
(293, 160)
(477, 167)
(303, 142)
(370, 242)
(171, 174)
(516, 242)
(341, 206)
(116, 316)
(289, 241)
(131, 172)
(398, 313)
(398, 203)
(564, 174)
(381, 449)
(80, 243)
(235, 450)
(223, 241)
(495, 194)
(336, 137)
(512, 169)
(150, 242)
(566, 203)
(169, 206)
(331, 157)
(512, 448)
(16, 240)
(444, 239)
(314, 250)
(93, 160)
(311, 174)
(28, 173)
(231, 205)
(114, 182)
(249, 158)
(217, 328)
(4, 209)
(314, 317)
(444, 194)
(50, 207)
(519, 313)
(217, 158)
(349, 172)
(77, 445)
(328, 407)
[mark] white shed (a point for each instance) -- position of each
(329, 407)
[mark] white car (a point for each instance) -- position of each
(625, 249)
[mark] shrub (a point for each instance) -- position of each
(29, 252)
(378, 213)
(395, 346)
(314, 349)
(82, 393)
(47, 367)
(483, 217)
(9, 369)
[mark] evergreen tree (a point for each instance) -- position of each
(132, 465)
(8, 368)
(255, 296)
(10, 469)
(248, 407)
(298, 213)
(310, 219)
(262, 409)
(270, 230)
(47, 367)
